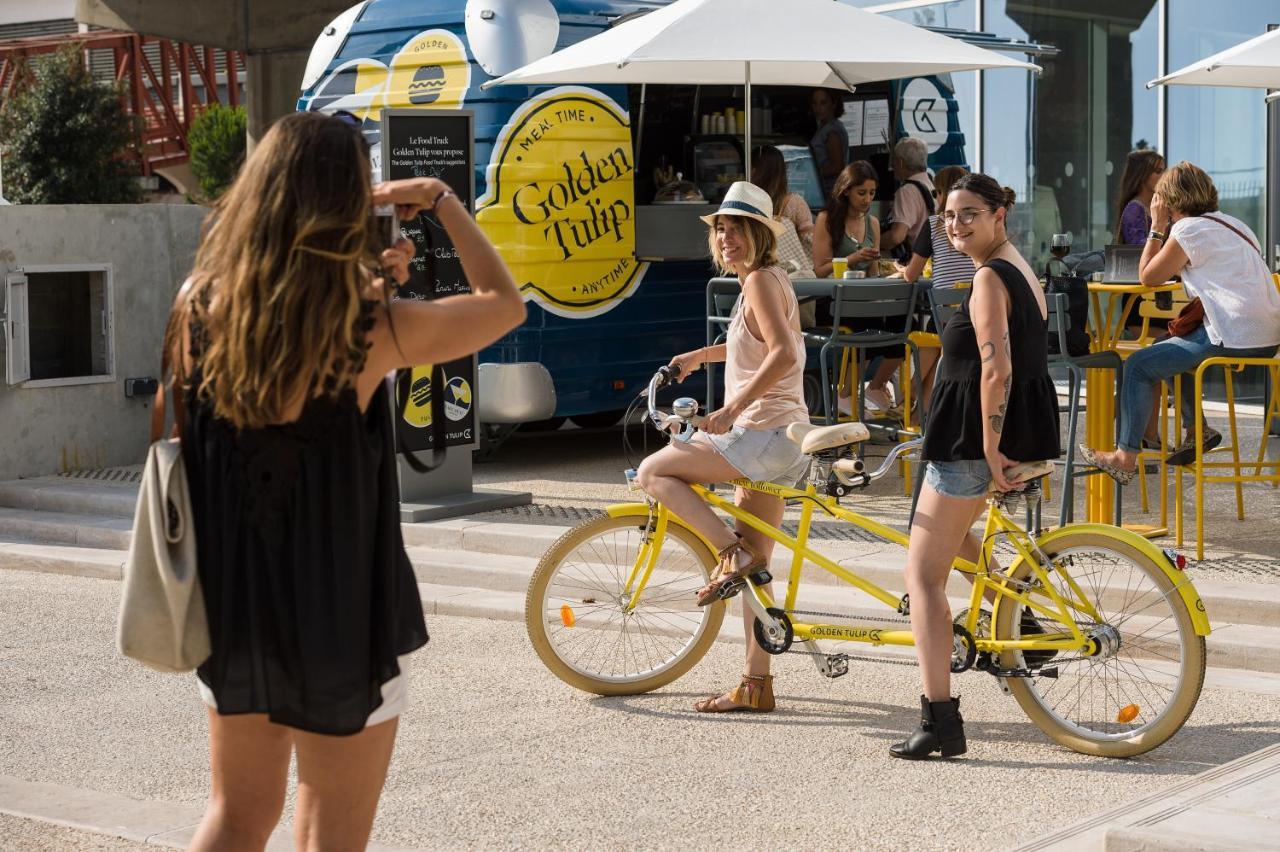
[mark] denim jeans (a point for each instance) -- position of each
(1161, 361)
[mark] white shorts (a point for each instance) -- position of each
(762, 455)
(395, 695)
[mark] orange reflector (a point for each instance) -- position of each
(1127, 713)
(568, 620)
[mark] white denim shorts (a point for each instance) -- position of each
(395, 696)
(762, 455)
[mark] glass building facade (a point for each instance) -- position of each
(1060, 139)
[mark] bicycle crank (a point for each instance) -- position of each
(778, 636)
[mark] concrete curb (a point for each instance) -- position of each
(1231, 807)
(154, 823)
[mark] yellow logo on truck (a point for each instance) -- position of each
(560, 202)
(431, 70)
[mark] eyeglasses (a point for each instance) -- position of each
(964, 217)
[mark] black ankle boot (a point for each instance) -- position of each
(941, 730)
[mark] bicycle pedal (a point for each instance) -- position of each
(731, 588)
(836, 667)
(762, 577)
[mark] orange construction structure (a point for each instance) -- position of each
(165, 82)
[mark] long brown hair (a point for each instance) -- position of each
(1138, 166)
(279, 274)
(769, 172)
(855, 174)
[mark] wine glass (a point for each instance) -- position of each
(1060, 245)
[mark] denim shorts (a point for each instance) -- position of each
(964, 479)
(761, 455)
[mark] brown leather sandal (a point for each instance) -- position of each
(729, 578)
(753, 695)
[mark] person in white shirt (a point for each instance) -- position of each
(1220, 263)
(913, 202)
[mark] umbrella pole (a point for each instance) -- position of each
(747, 134)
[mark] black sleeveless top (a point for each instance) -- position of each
(309, 592)
(956, 424)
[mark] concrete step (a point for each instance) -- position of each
(54, 495)
(85, 530)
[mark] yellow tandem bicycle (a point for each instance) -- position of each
(1112, 666)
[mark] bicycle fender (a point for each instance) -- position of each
(627, 510)
(1187, 589)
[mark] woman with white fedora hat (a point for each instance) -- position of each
(764, 359)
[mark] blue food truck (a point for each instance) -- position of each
(593, 194)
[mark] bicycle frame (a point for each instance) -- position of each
(1063, 611)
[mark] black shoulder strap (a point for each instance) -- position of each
(928, 195)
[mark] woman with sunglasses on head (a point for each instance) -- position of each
(994, 406)
(284, 334)
(764, 357)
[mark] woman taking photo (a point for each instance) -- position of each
(285, 334)
(994, 406)
(846, 229)
(1220, 263)
(950, 267)
(764, 360)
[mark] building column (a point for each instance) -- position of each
(273, 81)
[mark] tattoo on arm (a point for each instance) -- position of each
(997, 419)
(988, 351)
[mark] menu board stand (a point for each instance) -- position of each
(438, 143)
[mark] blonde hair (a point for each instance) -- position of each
(1187, 189)
(283, 260)
(762, 245)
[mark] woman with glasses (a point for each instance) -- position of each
(994, 406)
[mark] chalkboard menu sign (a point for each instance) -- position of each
(434, 143)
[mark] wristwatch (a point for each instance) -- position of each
(1156, 235)
(448, 193)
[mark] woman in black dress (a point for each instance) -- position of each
(285, 334)
(994, 406)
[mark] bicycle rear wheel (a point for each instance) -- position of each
(580, 628)
(1142, 684)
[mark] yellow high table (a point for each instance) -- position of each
(1106, 324)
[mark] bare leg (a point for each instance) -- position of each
(339, 782)
(249, 762)
(937, 535)
(665, 476)
(929, 358)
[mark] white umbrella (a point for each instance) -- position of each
(1252, 64)
(773, 42)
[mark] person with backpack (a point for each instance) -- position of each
(913, 202)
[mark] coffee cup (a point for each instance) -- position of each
(838, 267)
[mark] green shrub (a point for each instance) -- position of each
(67, 139)
(217, 145)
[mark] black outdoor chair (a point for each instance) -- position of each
(895, 303)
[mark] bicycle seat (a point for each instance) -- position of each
(1023, 473)
(814, 439)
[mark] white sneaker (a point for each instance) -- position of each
(845, 405)
(878, 399)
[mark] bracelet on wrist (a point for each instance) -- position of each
(1153, 234)
(448, 193)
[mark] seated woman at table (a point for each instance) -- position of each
(763, 393)
(950, 267)
(1220, 263)
(1142, 169)
(994, 406)
(846, 229)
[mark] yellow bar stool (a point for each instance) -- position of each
(1203, 469)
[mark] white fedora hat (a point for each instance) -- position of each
(747, 199)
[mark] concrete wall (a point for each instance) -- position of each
(150, 247)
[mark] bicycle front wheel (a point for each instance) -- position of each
(1141, 682)
(578, 615)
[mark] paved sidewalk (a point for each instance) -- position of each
(497, 753)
